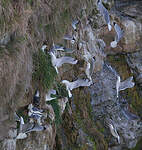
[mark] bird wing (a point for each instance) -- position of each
(104, 12)
(92, 66)
(74, 23)
(62, 60)
(128, 83)
(80, 82)
(119, 33)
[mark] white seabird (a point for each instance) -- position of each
(21, 135)
(118, 36)
(120, 86)
(49, 95)
(58, 62)
(117, 85)
(75, 84)
(35, 113)
(114, 132)
(90, 64)
(105, 14)
(128, 83)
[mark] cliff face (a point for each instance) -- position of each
(81, 122)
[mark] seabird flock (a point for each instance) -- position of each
(36, 114)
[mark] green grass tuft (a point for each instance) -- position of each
(61, 90)
(57, 111)
(44, 72)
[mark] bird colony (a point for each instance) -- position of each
(36, 115)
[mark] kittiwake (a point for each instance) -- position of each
(21, 135)
(58, 62)
(128, 83)
(114, 132)
(118, 36)
(75, 84)
(105, 14)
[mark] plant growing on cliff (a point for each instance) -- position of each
(44, 72)
(61, 90)
(57, 111)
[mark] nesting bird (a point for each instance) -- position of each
(58, 62)
(43, 48)
(128, 83)
(75, 84)
(118, 36)
(35, 113)
(21, 135)
(105, 14)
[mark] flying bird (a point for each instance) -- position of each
(58, 62)
(114, 132)
(75, 84)
(128, 83)
(118, 36)
(105, 14)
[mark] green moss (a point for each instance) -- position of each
(30, 2)
(61, 90)
(57, 111)
(44, 72)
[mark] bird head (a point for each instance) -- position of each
(37, 93)
(113, 44)
(114, 23)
